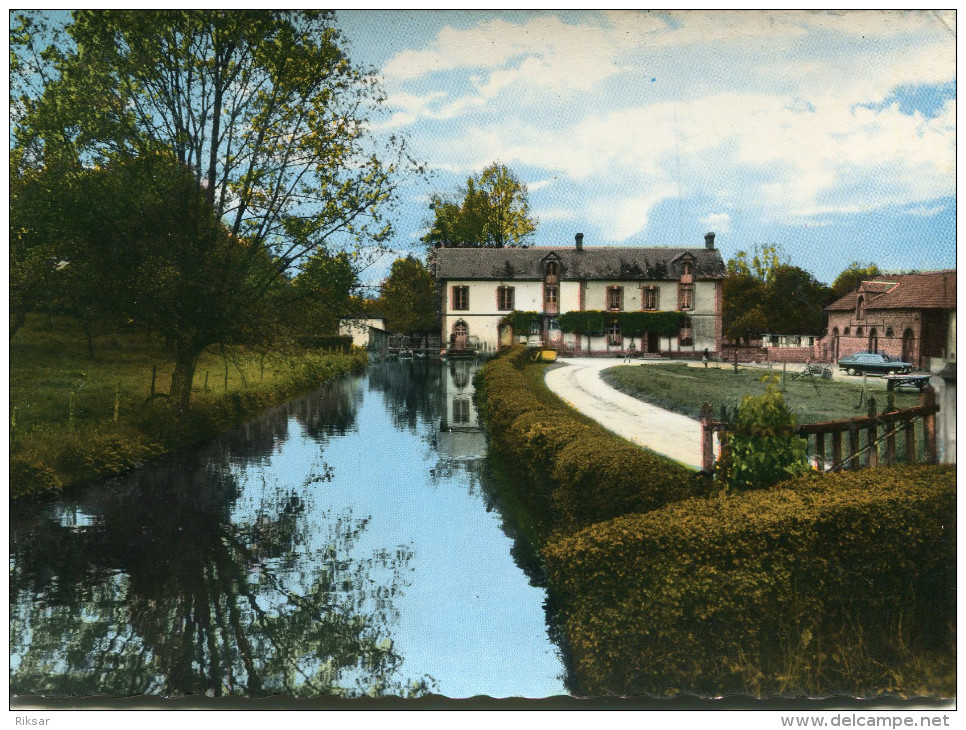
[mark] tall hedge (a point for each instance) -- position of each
(577, 469)
(838, 583)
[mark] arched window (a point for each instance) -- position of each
(858, 307)
(846, 332)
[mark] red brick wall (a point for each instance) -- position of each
(881, 321)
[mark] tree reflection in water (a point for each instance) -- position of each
(413, 392)
(168, 590)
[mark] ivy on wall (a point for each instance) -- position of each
(633, 324)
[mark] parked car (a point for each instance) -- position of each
(873, 363)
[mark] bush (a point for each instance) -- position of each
(762, 447)
(571, 468)
(833, 583)
(31, 476)
(602, 477)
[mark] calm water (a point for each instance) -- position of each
(345, 543)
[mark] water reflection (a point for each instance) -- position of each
(337, 545)
(156, 591)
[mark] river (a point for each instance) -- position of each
(346, 543)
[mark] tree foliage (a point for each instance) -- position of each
(761, 263)
(408, 299)
(324, 289)
(850, 279)
(764, 293)
(491, 210)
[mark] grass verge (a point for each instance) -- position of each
(683, 389)
(74, 419)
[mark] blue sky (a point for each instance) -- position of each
(830, 133)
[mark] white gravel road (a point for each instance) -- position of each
(579, 383)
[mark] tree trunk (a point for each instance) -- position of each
(19, 319)
(186, 360)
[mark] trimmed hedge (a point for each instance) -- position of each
(569, 466)
(837, 583)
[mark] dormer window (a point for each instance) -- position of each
(686, 268)
(552, 268)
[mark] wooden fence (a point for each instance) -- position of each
(838, 445)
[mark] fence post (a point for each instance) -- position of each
(910, 441)
(872, 433)
(853, 447)
(928, 400)
(837, 450)
(820, 450)
(707, 439)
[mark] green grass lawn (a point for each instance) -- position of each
(67, 410)
(683, 388)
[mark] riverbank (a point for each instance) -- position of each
(824, 585)
(74, 419)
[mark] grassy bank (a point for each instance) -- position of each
(683, 389)
(74, 419)
(829, 584)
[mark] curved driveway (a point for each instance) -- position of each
(579, 383)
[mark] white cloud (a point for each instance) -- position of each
(780, 114)
(717, 222)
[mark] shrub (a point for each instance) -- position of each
(603, 477)
(582, 472)
(833, 583)
(762, 447)
(29, 475)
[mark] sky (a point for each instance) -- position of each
(830, 133)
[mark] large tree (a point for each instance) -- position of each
(491, 210)
(408, 299)
(850, 279)
(263, 108)
(763, 292)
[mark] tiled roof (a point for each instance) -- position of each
(931, 290)
(597, 263)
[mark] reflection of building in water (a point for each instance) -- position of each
(460, 435)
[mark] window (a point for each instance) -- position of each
(615, 298)
(461, 297)
(684, 334)
(685, 296)
(890, 332)
(858, 331)
(534, 327)
(858, 308)
(847, 331)
(550, 297)
(686, 268)
(461, 410)
(650, 298)
(614, 336)
(504, 297)
(552, 269)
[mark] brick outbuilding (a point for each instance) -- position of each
(910, 316)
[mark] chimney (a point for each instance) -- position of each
(709, 241)
(580, 241)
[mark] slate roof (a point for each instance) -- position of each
(590, 263)
(931, 290)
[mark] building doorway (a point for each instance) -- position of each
(873, 340)
(652, 343)
(909, 346)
